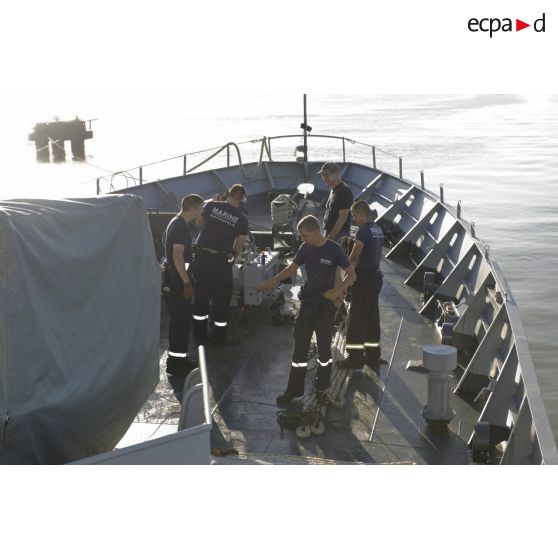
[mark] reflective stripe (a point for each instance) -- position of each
(220, 324)
(352, 346)
(300, 364)
(325, 363)
(178, 355)
(200, 318)
(371, 344)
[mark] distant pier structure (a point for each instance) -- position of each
(49, 137)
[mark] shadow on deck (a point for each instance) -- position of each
(372, 427)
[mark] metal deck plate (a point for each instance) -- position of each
(372, 428)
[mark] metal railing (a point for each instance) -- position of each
(135, 176)
(381, 159)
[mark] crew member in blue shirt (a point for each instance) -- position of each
(220, 242)
(178, 257)
(363, 333)
(321, 257)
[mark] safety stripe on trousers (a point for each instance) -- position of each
(220, 324)
(354, 346)
(299, 364)
(200, 318)
(324, 363)
(371, 344)
(178, 355)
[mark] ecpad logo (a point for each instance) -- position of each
(493, 25)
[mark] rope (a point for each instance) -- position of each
(82, 160)
(291, 419)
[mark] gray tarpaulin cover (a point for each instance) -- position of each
(79, 325)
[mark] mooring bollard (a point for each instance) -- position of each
(439, 360)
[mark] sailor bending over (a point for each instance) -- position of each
(317, 310)
(220, 242)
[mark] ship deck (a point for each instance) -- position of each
(381, 423)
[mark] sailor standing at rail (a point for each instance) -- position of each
(220, 242)
(337, 218)
(178, 257)
(321, 257)
(363, 333)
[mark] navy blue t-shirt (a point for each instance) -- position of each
(371, 235)
(321, 264)
(178, 232)
(222, 223)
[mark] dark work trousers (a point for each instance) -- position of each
(316, 315)
(180, 311)
(213, 280)
(363, 333)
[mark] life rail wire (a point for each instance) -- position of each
(216, 151)
(265, 141)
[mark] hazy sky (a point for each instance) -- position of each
(125, 54)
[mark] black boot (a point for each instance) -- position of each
(295, 387)
(223, 338)
(373, 361)
(323, 377)
(180, 366)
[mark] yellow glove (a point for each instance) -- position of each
(268, 285)
(187, 291)
(334, 294)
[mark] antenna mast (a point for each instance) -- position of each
(306, 129)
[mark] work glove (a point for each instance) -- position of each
(334, 294)
(187, 291)
(268, 285)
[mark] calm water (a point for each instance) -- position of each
(496, 153)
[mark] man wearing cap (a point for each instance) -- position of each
(337, 218)
(220, 242)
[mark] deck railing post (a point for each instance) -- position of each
(98, 186)
(343, 149)
(422, 180)
(184, 164)
(141, 175)
(228, 155)
(269, 148)
(442, 193)
(374, 157)
(459, 209)
(400, 167)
